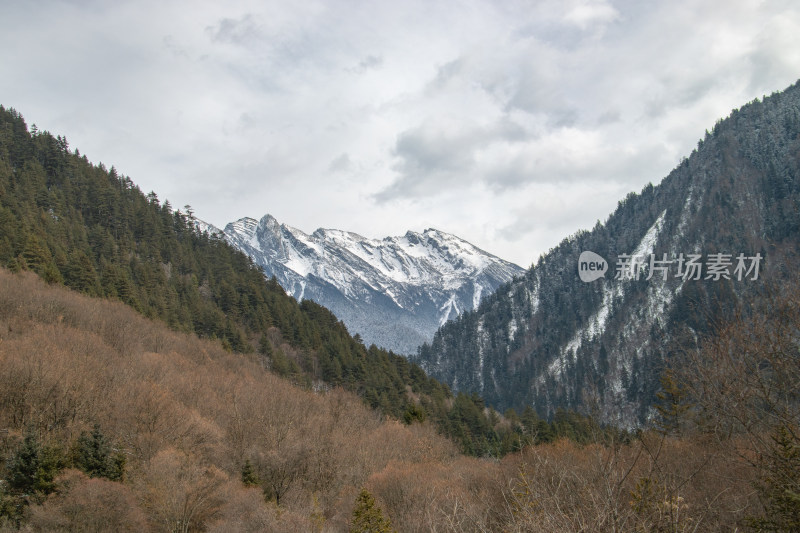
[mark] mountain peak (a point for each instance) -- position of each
(270, 223)
(394, 291)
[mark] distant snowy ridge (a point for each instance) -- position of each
(395, 292)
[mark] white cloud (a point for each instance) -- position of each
(510, 124)
(587, 13)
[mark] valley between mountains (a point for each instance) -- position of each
(159, 374)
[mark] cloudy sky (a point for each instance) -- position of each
(510, 124)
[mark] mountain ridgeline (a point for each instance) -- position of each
(395, 292)
(551, 340)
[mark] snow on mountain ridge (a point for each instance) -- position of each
(420, 279)
(424, 257)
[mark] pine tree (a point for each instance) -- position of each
(264, 346)
(414, 413)
(249, 477)
(92, 455)
(33, 468)
(81, 274)
(368, 517)
(672, 404)
(36, 254)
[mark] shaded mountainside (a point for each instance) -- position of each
(395, 292)
(551, 340)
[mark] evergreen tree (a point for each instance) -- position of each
(92, 454)
(249, 476)
(414, 413)
(779, 486)
(672, 404)
(32, 468)
(368, 517)
(81, 274)
(36, 254)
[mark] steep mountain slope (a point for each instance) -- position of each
(550, 339)
(393, 292)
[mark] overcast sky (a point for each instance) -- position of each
(510, 124)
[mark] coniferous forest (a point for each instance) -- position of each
(152, 379)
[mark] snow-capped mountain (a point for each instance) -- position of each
(394, 292)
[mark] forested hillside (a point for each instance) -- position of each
(170, 430)
(112, 422)
(551, 340)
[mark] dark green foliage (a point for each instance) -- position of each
(368, 517)
(10, 508)
(672, 404)
(284, 366)
(414, 413)
(81, 275)
(249, 476)
(33, 467)
(469, 426)
(93, 455)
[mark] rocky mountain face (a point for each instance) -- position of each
(720, 230)
(393, 292)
